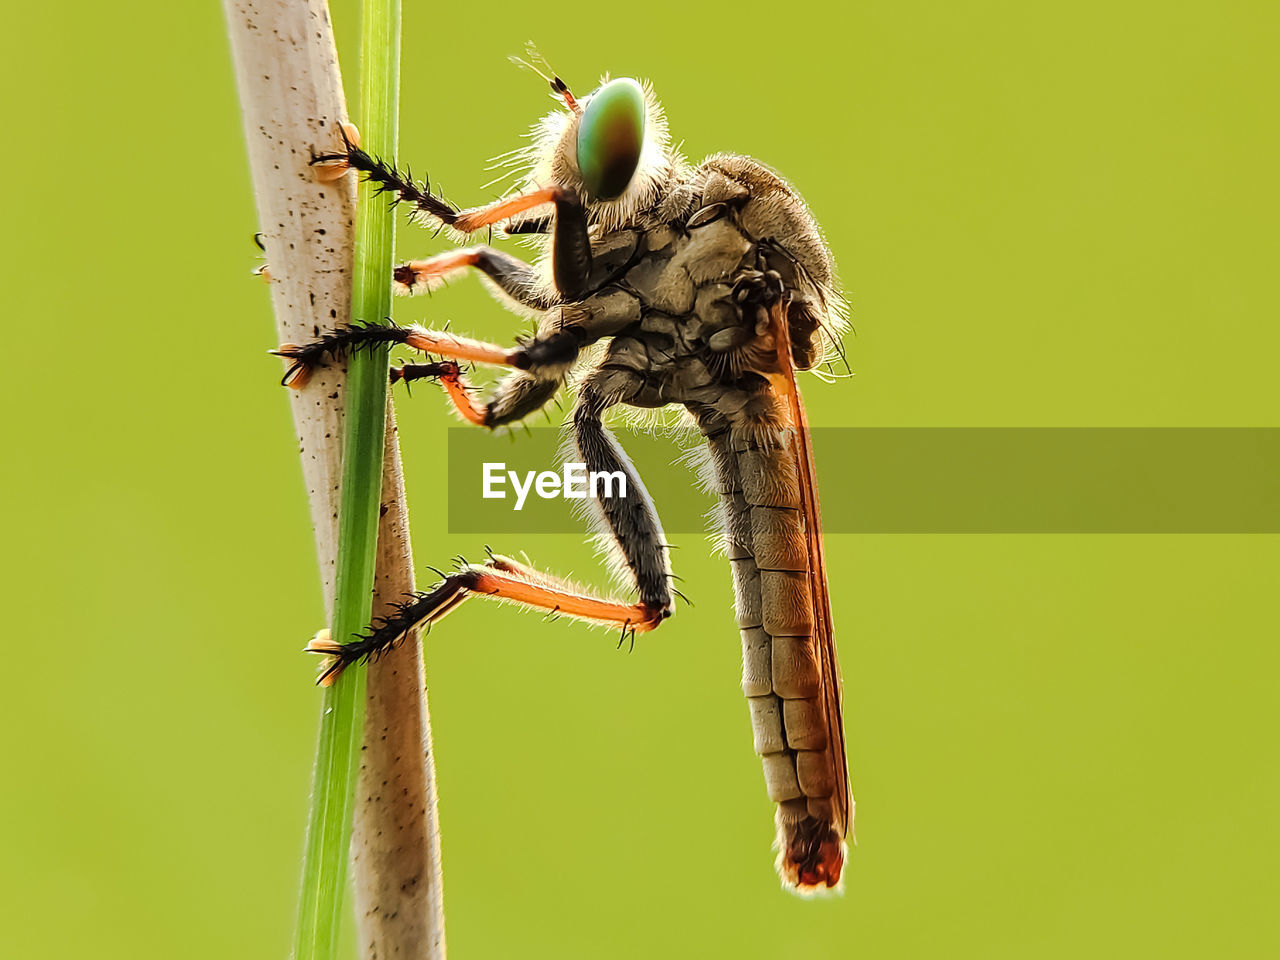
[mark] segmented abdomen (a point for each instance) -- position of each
(781, 675)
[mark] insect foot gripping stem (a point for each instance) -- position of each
(401, 187)
(335, 344)
(500, 579)
(420, 609)
(332, 166)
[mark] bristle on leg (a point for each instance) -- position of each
(420, 276)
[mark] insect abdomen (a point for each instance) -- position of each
(781, 675)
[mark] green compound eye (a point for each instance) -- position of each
(610, 135)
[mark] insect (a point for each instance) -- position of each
(709, 287)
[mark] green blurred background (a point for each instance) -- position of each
(1045, 215)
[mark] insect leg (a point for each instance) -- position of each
(563, 331)
(555, 350)
(571, 245)
(571, 259)
(528, 225)
(405, 189)
(401, 185)
(630, 520)
(501, 578)
(512, 276)
(516, 396)
(571, 249)
(456, 388)
(477, 218)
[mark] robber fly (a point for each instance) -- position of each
(712, 286)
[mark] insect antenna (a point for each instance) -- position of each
(538, 61)
(543, 69)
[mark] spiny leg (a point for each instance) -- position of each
(540, 363)
(631, 519)
(557, 349)
(571, 247)
(563, 332)
(516, 396)
(501, 578)
(403, 187)
(456, 388)
(540, 369)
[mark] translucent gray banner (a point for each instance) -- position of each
(921, 480)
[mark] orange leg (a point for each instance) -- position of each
(419, 275)
(513, 277)
(445, 344)
(469, 221)
(572, 258)
(332, 166)
(342, 341)
(455, 386)
(501, 578)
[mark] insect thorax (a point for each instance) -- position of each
(695, 281)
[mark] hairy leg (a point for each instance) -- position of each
(513, 276)
(515, 397)
(631, 520)
(554, 351)
(571, 256)
(562, 333)
(500, 578)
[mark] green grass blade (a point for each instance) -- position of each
(324, 877)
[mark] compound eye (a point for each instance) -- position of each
(610, 136)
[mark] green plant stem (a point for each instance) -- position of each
(341, 726)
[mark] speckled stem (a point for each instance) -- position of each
(292, 97)
(395, 850)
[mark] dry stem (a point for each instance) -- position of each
(292, 98)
